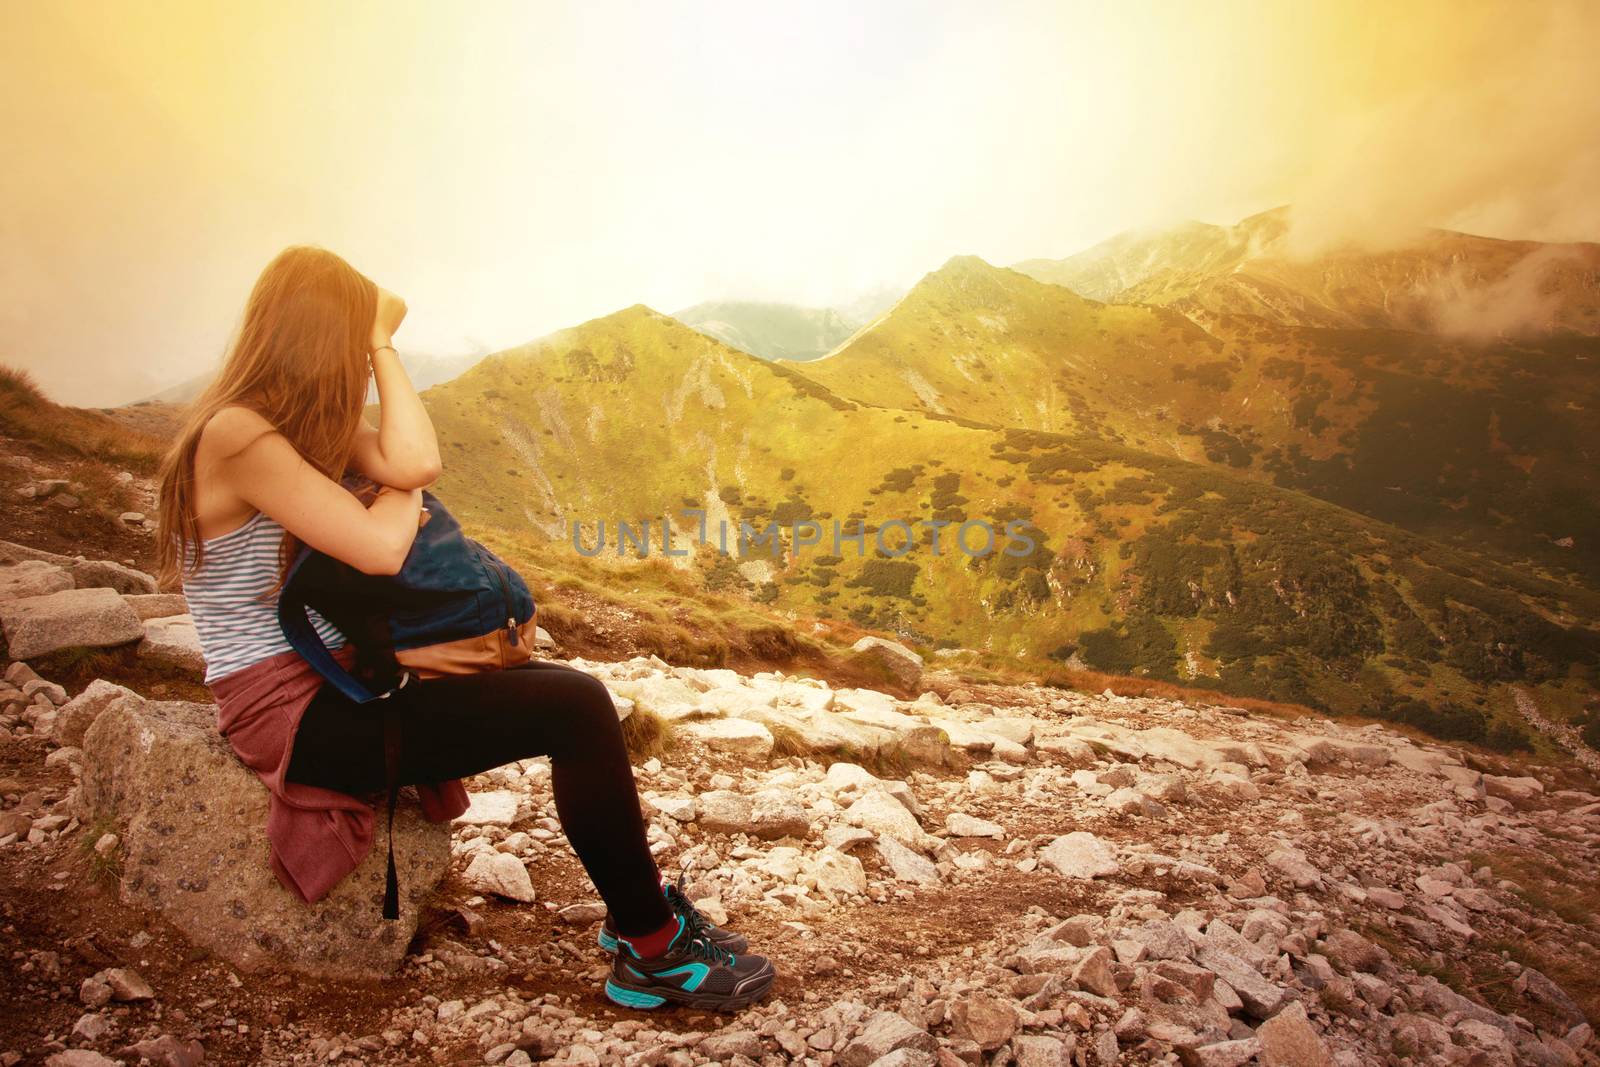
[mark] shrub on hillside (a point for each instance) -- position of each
(886, 577)
(1139, 644)
(1504, 737)
(1448, 722)
(1591, 732)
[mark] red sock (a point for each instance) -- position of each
(656, 942)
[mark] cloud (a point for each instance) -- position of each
(1497, 134)
(1521, 301)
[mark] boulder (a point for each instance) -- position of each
(768, 814)
(850, 777)
(172, 641)
(1289, 1040)
(885, 816)
(76, 716)
(1516, 790)
(1080, 854)
(79, 1057)
(893, 658)
(682, 809)
(1043, 1050)
(987, 1020)
(1261, 998)
(885, 1032)
(492, 807)
(157, 605)
(960, 824)
(906, 865)
(32, 577)
(1235, 1053)
(834, 874)
(90, 618)
(192, 820)
(499, 873)
(104, 573)
(737, 736)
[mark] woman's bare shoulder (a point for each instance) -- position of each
(230, 429)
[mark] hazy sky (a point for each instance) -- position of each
(515, 168)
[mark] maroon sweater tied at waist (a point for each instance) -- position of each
(317, 835)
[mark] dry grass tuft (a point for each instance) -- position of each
(26, 413)
(647, 734)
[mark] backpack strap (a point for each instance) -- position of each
(295, 620)
(391, 770)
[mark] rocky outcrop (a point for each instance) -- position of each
(891, 657)
(50, 602)
(191, 821)
(32, 577)
(94, 617)
(173, 641)
(1036, 877)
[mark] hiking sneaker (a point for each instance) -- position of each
(693, 971)
(681, 905)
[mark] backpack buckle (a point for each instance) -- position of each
(405, 676)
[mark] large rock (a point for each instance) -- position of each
(157, 605)
(32, 577)
(1289, 1040)
(906, 865)
(192, 820)
(75, 717)
(172, 641)
(91, 618)
(885, 1032)
(499, 873)
(834, 874)
(768, 814)
(91, 573)
(885, 816)
(492, 807)
(1261, 998)
(1516, 790)
(895, 659)
(1080, 854)
(987, 1020)
(732, 735)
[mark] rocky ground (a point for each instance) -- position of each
(983, 875)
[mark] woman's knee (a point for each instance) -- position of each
(592, 700)
(575, 707)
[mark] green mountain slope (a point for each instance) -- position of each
(1473, 443)
(770, 330)
(1138, 562)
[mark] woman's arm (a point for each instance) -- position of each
(403, 451)
(261, 467)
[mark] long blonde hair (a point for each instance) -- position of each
(299, 361)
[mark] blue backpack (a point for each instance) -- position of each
(454, 608)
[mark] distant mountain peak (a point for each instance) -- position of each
(967, 262)
(770, 329)
(1439, 281)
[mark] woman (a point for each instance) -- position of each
(253, 475)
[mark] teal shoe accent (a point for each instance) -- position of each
(630, 998)
(607, 940)
(696, 971)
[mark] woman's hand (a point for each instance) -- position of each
(391, 313)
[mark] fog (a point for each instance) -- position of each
(512, 168)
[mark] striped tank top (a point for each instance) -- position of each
(235, 630)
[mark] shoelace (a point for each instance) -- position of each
(693, 918)
(703, 948)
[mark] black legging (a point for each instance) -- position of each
(463, 724)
